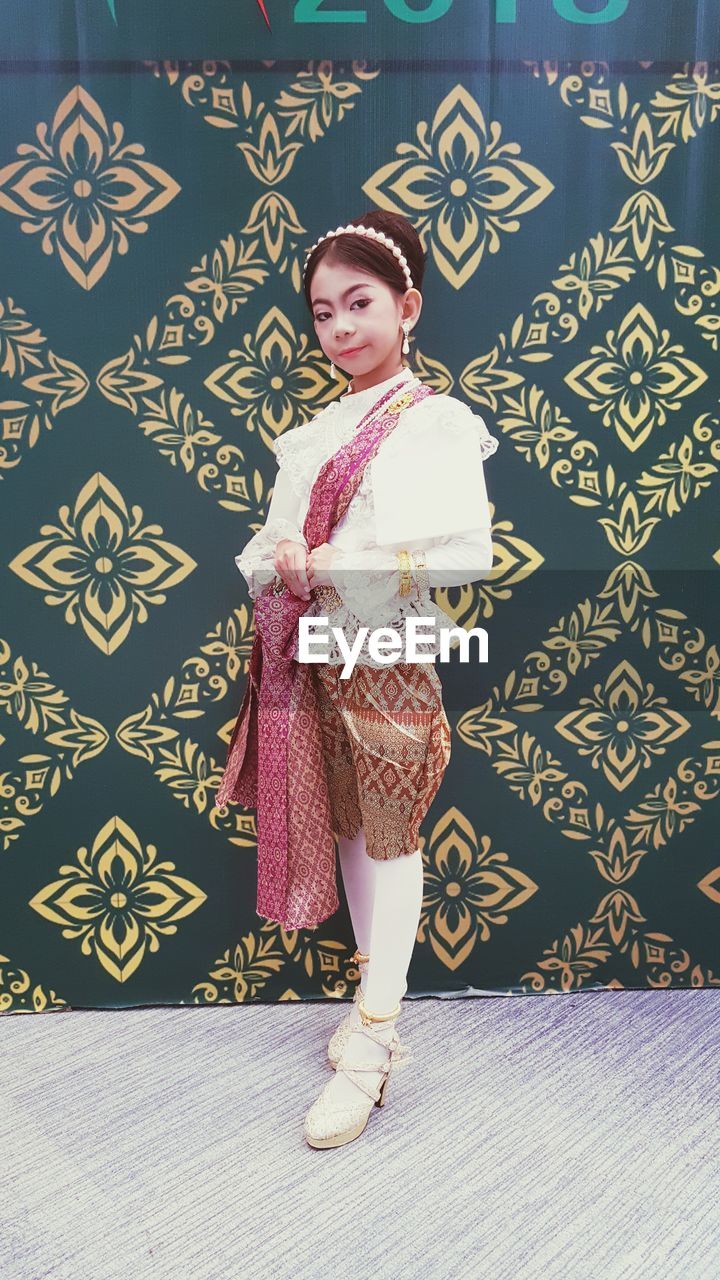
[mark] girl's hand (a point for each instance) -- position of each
(318, 563)
(290, 561)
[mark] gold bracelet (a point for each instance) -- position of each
(403, 558)
(422, 577)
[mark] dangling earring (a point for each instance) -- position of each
(332, 369)
(406, 344)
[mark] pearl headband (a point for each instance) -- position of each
(372, 234)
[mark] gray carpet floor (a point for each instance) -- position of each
(529, 1139)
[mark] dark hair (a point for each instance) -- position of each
(363, 252)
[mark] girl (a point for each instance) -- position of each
(378, 498)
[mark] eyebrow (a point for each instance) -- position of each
(347, 291)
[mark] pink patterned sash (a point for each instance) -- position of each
(278, 723)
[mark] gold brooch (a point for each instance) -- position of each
(401, 403)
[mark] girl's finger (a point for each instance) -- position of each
(302, 577)
(299, 587)
(302, 574)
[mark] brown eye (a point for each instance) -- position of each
(365, 301)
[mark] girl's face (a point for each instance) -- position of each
(358, 321)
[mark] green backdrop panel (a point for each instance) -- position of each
(161, 177)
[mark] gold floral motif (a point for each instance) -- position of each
(535, 426)
(630, 587)
(704, 681)
(501, 727)
(103, 564)
(83, 189)
(578, 640)
(275, 381)
(182, 434)
(157, 732)
(271, 159)
(253, 963)
(46, 384)
(186, 437)
(628, 510)
(680, 474)
(622, 725)
(19, 994)
(688, 103)
(694, 284)
(225, 278)
(240, 975)
(586, 88)
(644, 218)
(636, 377)
(118, 900)
(628, 532)
(461, 186)
(468, 890)
(530, 770)
(643, 159)
(487, 378)
(569, 961)
(514, 561)
(615, 935)
(122, 380)
(64, 737)
(590, 278)
(665, 812)
(307, 108)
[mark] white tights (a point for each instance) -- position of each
(385, 900)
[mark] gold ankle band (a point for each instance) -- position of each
(359, 958)
(367, 1017)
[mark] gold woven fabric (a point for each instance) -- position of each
(386, 744)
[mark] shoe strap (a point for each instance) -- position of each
(400, 1055)
(377, 1032)
(381, 1068)
(374, 1033)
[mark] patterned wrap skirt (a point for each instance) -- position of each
(386, 744)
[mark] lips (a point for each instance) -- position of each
(351, 351)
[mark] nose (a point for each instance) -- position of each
(341, 329)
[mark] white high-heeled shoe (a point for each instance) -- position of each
(351, 1021)
(329, 1124)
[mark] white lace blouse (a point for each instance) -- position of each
(366, 576)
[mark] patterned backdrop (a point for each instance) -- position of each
(154, 343)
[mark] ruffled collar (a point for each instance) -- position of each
(357, 404)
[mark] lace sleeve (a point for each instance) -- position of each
(488, 443)
(256, 561)
(368, 578)
(299, 452)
